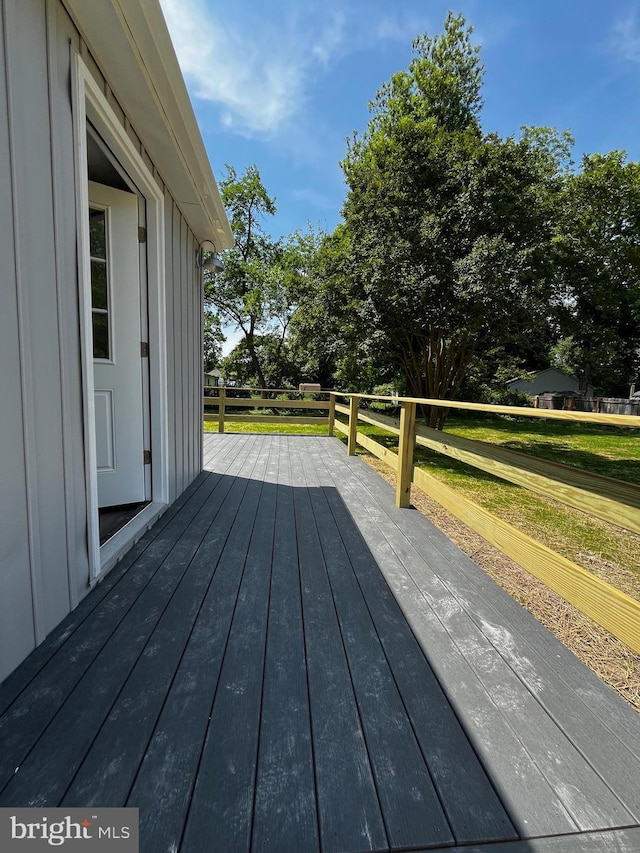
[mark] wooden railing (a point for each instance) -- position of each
(602, 497)
(226, 399)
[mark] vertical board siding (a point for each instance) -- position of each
(30, 140)
(174, 289)
(17, 631)
(171, 368)
(44, 561)
(63, 187)
(198, 368)
(184, 350)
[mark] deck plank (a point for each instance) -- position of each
(70, 732)
(577, 785)
(472, 805)
(612, 841)
(45, 694)
(220, 815)
(285, 815)
(164, 784)
(532, 805)
(110, 767)
(520, 640)
(348, 806)
(19, 679)
(570, 693)
(410, 804)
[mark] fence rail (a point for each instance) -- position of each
(223, 401)
(602, 497)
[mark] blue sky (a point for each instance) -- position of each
(282, 84)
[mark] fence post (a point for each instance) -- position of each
(405, 454)
(221, 398)
(354, 403)
(332, 411)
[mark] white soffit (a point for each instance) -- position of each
(131, 44)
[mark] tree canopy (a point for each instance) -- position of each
(447, 226)
(462, 259)
(598, 269)
(259, 288)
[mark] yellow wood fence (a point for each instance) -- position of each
(605, 498)
(224, 401)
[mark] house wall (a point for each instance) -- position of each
(546, 380)
(44, 564)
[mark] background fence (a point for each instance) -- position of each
(601, 405)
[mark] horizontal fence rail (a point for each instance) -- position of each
(224, 400)
(611, 500)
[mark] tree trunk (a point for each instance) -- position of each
(434, 366)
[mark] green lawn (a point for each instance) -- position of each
(583, 539)
(611, 451)
(287, 429)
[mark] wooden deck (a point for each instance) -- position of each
(285, 662)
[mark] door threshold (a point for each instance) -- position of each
(114, 518)
(117, 545)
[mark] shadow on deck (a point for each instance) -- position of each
(285, 662)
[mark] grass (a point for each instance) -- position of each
(606, 550)
(286, 429)
(611, 451)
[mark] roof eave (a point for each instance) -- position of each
(148, 84)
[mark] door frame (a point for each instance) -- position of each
(90, 104)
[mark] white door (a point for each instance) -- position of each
(116, 321)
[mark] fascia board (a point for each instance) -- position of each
(131, 44)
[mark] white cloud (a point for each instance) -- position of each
(257, 69)
(319, 200)
(625, 38)
(398, 27)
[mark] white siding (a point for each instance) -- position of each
(43, 525)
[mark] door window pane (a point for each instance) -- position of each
(97, 234)
(99, 283)
(100, 335)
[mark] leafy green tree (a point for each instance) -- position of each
(447, 226)
(258, 291)
(212, 339)
(598, 273)
(281, 368)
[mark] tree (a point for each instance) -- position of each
(260, 286)
(212, 339)
(276, 356)
(447, 226)
(598, 273)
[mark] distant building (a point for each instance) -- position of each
(213, 378)
(547, 381)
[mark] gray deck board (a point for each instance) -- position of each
(222, 802)
(471, 803)
(580, 792)
(285, 662)
(569, 692)
(348, 806)
(285, 816)
(410, 804)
